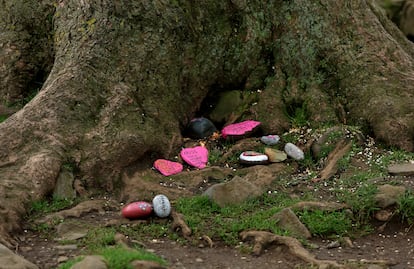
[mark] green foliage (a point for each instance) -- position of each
(406, 207)
(99, 238)
(118, 257)
(323, 223)
(42, 207)
(206, 217)
(362, 202)
(2, 118)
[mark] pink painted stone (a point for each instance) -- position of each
(240, 128)
(168, 168)
(137, 210)
(197, 156)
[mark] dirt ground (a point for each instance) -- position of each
(391, 246)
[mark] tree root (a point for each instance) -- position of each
(263, 239)
(180, 225)
(331, 167)
(315, 205)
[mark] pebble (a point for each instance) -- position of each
(270, 139)
(67, 247)
(201, 128)
(253, 157)
(294, 152)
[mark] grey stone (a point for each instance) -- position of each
(64, 185)
(404, 169)
(233, 192)
(287, 220)
(388, 195)
(294, 152)
(141, 264)
(70, 230)
(270, 139)
(10, 260)
(91, 262)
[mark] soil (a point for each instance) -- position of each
(390, 245)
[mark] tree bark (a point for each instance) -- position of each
(125, 77)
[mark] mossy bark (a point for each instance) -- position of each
(125, 77)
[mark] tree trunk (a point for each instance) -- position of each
(120, 80)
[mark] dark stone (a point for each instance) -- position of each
(200, 128)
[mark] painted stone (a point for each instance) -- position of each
(200, 128)
(137, 210)
(168, 168)
(162, 206)
(253, 157)
(197, 156)
(294, 152)
(270, 139)
(275, 155)
(239, 129)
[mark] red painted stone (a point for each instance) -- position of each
(168, 168)
(137, 210)
(197, 156)
(238, 129)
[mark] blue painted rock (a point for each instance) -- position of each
(294, 152)
(253, 157)
(137, 210)
(270, 139)
(162, 206)
(200, 128)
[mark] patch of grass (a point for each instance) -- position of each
(99, 238)
(118, 257)
(42, 207)
(3, 118)
(406, 207)
(380, 162)
(323, 223)
(207, 218)
(70, 263)
(362, 202)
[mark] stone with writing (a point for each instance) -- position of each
(137, 210)
(196, 156)
(294, 152)
(168, 168)
(239, 129)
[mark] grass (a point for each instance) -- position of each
(42, 207)
(118, 257)
(405, 207)
(323, 223)
(207, 218)
(3, 118)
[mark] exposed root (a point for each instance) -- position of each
(314, 205)
(208, 240)
(262, 239)
(180, 225)
(331, 167)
